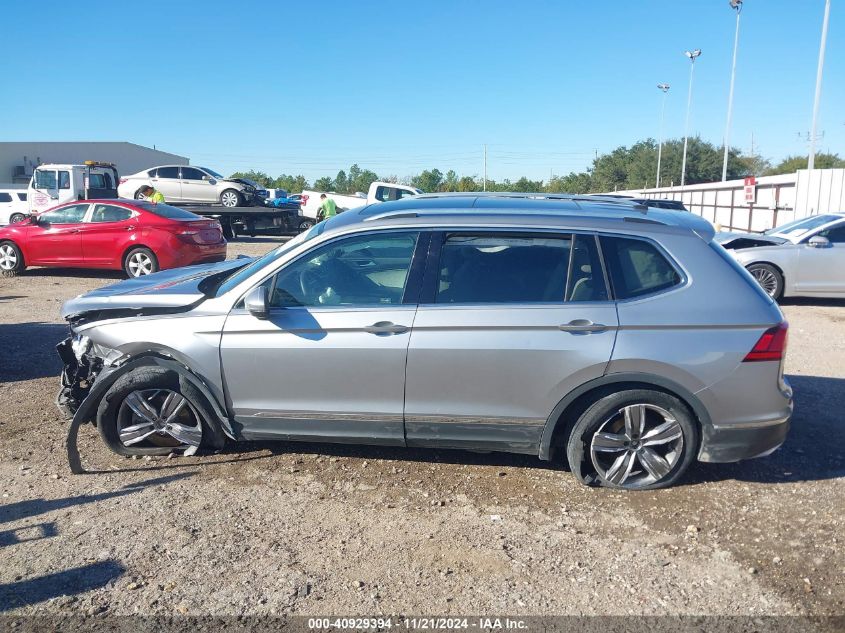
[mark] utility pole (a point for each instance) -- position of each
(665, 89)
(736, 5)
(484, 182)
(811, 161)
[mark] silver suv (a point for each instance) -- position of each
(618, 338)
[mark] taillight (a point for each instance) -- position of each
(303, 201)
(195, 235)
(770, 346)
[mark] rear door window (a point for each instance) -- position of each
(110, 213)
(637, 267)
(497, 269)
(168, 172)
(64, 180)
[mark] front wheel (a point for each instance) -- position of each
(636, 439)
(139, 262)
(11, 259)
(769, 278)
(139, 195)
(304, 225)
(231, 198)
(150, 411)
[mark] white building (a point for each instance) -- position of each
(17, 160)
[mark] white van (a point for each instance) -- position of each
(57, 184)
(13, 205)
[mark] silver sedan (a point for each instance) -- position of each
(802, 258)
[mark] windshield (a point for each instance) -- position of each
(211, 172)
(243, 273)
(799, 227)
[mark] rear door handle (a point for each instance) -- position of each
(130, 228)
(386, 327)
(582, 325)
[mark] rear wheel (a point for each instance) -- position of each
(635, 439)
(769, 278)
(139, 262)
(304, 225)
(231, 198)
(11, 259)
(16, 217)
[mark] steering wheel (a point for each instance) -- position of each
(312, 282)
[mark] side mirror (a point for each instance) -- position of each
(819, 241)
(256, 303)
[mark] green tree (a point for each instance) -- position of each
(791, 164)
(360, 179)
(572, 183)
(291, 184)
(429, 180)
(323, 184)
(450, 181)
(341, 184)
(468, 183)
(258, 176)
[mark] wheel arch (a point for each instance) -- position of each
(565, 415)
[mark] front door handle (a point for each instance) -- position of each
(582, 325)
(386, 327)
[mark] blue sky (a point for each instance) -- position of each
(310, 87)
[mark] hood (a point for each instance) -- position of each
(167, 291)
(747, 240)
(245, 183)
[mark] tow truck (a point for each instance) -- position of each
(55, 184)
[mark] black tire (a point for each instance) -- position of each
(16, 217)
(228, 228)
(139, 195)
(231, 198)
(112, 414)
(140, 258)
(769, 278)
(304, 225)
(11, 259)
(612, 464)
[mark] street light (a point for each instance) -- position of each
(737, 6)
(665, 89)
(692, 57)
(811, 161)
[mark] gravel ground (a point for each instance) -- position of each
(274, 528)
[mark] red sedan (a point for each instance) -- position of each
(132, 235)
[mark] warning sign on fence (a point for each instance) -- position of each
(750, 190)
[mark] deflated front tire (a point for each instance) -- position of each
(150, 411)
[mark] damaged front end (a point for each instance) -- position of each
(83, 361)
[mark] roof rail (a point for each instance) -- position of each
(626, 202)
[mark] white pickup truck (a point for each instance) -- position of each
(378, 192)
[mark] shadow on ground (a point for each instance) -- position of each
(29, 350)
(63, 583)
(35, 507)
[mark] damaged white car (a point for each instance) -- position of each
(804, 258)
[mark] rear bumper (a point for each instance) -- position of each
(733, 443)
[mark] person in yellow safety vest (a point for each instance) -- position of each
(152, 195)
(328, 209)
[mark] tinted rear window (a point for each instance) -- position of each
(637, 267)
(166, 211)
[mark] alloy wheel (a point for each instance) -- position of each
(8, 257)
(767, 280)
(139, 264)
(637, 446)
(160, 417)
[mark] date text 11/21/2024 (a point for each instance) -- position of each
(423, 623)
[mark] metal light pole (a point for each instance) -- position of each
(811, 162)
(692, 57)
(665, 89)
(737, 6)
